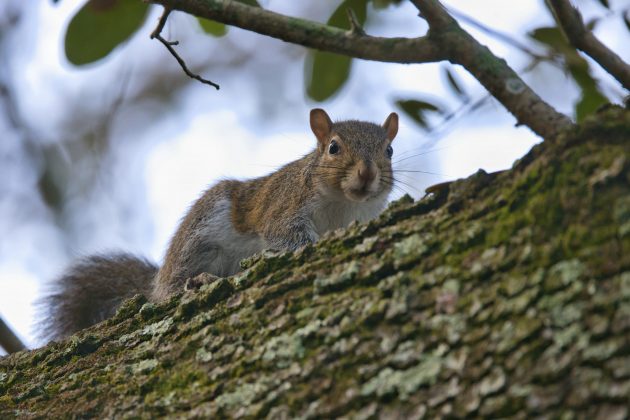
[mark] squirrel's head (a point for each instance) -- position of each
(355, 157)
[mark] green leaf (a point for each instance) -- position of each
(604, 3)
(219, 29)
(213, 28)
(591, 24)
(383, 4)
(592, 98)
(417, 109)
(100, 26)
(553, 38)
(626, 18)
(577, 67)
(589, 103)
(339, 18)
(252, 3)
(455, 84)
(327, 72)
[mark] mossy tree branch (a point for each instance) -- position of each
(310, 34)
(581, 38)
(446, 40)
(492, 72)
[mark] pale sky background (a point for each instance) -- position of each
(255, 123)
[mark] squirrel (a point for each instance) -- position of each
(347, 177)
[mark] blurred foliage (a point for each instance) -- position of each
(326, 72)
(604, 3)
(212, 28)
(382, 4)
(575, 66)
(100, 26)
(417, 109)
(455, 84)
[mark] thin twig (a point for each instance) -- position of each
(156, 34)
(570, 20)
(355, 26)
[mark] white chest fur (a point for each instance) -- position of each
(333, 214)
(230, 246)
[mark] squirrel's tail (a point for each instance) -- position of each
(91, 290)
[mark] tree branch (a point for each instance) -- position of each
(446, 40)
(310, 34)
(581, 38)
(492, 72)
(157, 34)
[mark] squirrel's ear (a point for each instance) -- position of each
(391, 126)
(320, 124)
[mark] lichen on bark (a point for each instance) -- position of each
(500, 295)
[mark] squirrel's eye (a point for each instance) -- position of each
(389, 151)
(333, 148)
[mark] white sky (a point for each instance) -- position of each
(247, 129)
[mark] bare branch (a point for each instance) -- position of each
(310, 34)
(156, 34)
(492, 72)
(446, 40)
(581, 38)
(8, 340)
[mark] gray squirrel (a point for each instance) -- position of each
(347, 177)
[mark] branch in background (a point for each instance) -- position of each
(8, 340)
(502, 36)
(310, 34)
(492, 72)
(445, 41)
(169, 46)
(581, 38)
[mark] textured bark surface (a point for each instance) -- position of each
(505, 295)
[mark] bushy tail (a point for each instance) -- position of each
(91, 290)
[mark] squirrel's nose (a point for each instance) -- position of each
(366, 172)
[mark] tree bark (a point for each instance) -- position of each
(499, 295)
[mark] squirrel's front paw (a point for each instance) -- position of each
(195, 283)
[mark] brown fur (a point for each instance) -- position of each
(278, 207)
(284, 210)
(91, 290)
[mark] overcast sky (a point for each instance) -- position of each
(255, 123)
